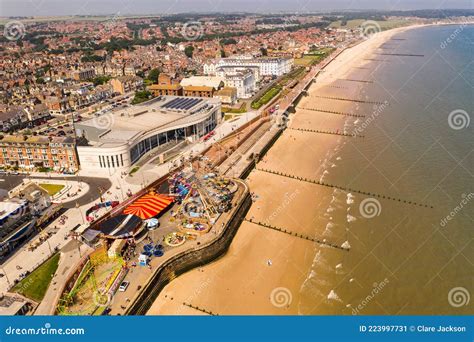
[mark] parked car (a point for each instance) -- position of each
(123, 286)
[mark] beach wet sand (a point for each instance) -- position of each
(267, 271)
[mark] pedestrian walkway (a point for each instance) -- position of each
(72, 254)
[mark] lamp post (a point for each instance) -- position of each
(49, 246)
(6, 277)
(121, 189)
(80, 212)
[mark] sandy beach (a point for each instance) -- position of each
(264, 270)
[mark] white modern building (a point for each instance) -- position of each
(118, 139)
(203, 81)
(243, 81)
(222, 71)
(268, 66)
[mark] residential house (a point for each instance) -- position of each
(125, 84)
(227, 95)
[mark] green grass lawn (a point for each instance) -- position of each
(314, 57)
(135, 169)
(270, 94)
(34, 286)
(384, 24)
(240, 110)
(52, 189)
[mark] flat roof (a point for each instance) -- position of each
(10, 206)
(11, 305)
(227, 91)
(124, 124)
(164, 87)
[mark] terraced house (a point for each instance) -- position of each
(18, 117)
(33, 152)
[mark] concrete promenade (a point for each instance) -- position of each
(71, 256)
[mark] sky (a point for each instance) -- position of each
(123, 7)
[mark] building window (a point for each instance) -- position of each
(100, 161)
(117, 160)
(121, 158)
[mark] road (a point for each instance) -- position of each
(96, 185)
(9, 182)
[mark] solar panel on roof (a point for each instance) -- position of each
(182, 103)
(179, 103)
(170, 104)
(195, 102)
(175, 103)
(185, 104)
(187, 101)
(188, 104)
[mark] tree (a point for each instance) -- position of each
(141, 96)
(228, 41)
(188, 51)
(153, 75)
(91, 58)
(263, 51)
(99, 80)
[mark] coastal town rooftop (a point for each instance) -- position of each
(125, 124)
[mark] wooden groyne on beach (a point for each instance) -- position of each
(197, 308)
(334, 112)
(355, 80)
(400, 54)
(371, 194)
(294, 234)
(347, 100)
(375, 60)
(390, 45)
(307, 130)
(336, 86)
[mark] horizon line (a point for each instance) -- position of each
(334, 11)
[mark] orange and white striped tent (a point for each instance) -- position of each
(148, 206)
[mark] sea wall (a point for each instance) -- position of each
(251, 165)
(190, 259)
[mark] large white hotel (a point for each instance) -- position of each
(118, 139)
(268, 66)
